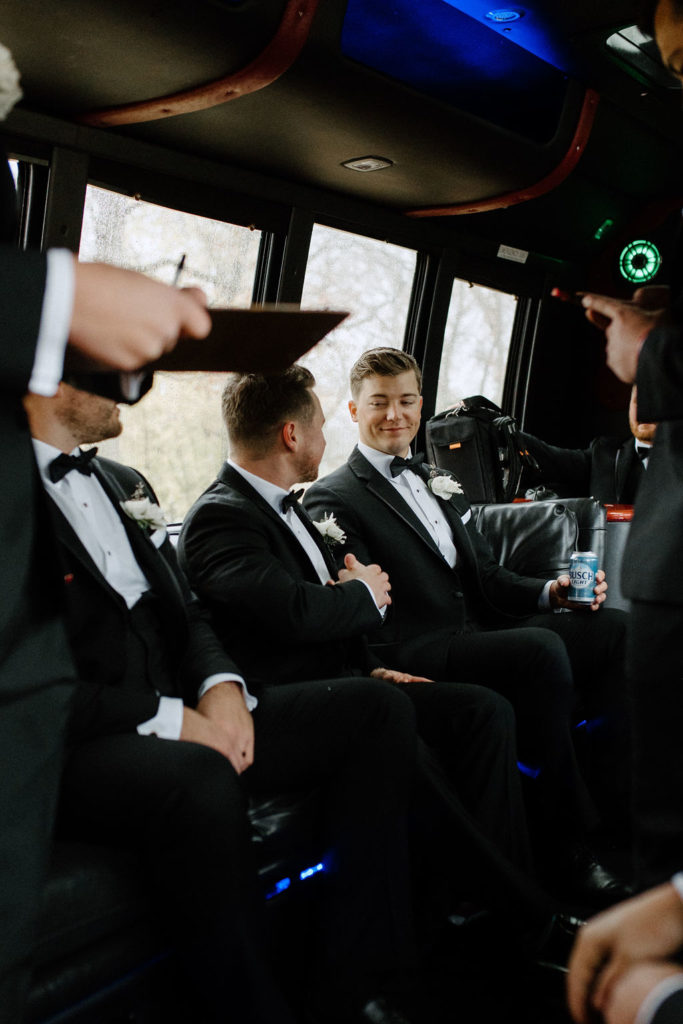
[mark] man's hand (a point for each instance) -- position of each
(123, 320)
(225, 707)
(646, 928)
(621, 1004)
(626, 325)
(393, 676)
(223, 722)
(559, 588)
(377, 580)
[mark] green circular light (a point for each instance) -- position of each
(640, 261)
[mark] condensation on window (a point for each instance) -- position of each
(476, 344)
(175, 435)
(372, 280)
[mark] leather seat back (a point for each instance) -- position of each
(536, 538)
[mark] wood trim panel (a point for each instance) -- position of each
(277, 57)
(546, 184)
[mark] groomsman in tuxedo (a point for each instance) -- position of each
(609, 469)
(450, 599)
(258, 561)
(120, 320)
(165, 743)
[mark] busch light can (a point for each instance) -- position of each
(583, 565)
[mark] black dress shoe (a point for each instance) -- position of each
(379, 1011)
(594, 884)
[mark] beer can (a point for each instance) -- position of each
(583, 565)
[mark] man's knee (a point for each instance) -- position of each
(204, 788)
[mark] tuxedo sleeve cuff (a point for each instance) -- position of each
(382, 611)
(55, 321)
(167, 724)
(226, 677)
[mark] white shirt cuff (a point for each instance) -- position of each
(167, 724)
(544, 597)
(226, 677)
(55, 322)
(658, 995)
(383, 610)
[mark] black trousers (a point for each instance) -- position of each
(182, 806)
(596, 646)
(655, 676)
(532, 669)
(471, 731)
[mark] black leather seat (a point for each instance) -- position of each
(100, 950)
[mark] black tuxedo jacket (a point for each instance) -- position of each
(609, 469)
(671, 1010)
(268, 605)
(430, 601)
(97, 620)
(654, 553)
(35, 665)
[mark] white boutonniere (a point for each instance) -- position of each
(10, 93)
(330, 530)
(146, 513)
(443, 486)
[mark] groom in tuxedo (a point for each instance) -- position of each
(166, 742)
(451, 598)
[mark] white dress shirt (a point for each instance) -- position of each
(55, 321)
(98, 526)
(273, 495)
(427, 507)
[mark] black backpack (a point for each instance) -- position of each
(478, 442)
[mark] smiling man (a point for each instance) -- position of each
(454, 608)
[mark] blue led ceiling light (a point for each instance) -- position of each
(504, 73)
(504, 15)
(526, 26)
(640, 261)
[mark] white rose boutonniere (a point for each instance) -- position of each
(443, 486)
(10, 93)
(146, 513)
(330, 530)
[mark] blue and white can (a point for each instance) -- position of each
(583, 565)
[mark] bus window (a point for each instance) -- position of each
(175, 434)
(476, 343)
(371, 279)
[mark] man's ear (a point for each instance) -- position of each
(353, 409)
(289, 436)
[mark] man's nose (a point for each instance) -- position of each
(392, 412)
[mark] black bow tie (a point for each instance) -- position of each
(291, 500)
(397, 464)
(63, 464)
(643, 451)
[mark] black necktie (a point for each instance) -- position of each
(63, 464)
(643, 451)
(291, 500)
(397, 464)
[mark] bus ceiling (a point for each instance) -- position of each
(543, 128)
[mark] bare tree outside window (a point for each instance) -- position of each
(175, 435)
(476, 344)
(373, 281)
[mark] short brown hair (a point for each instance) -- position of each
(383, 362)
(255, 407)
